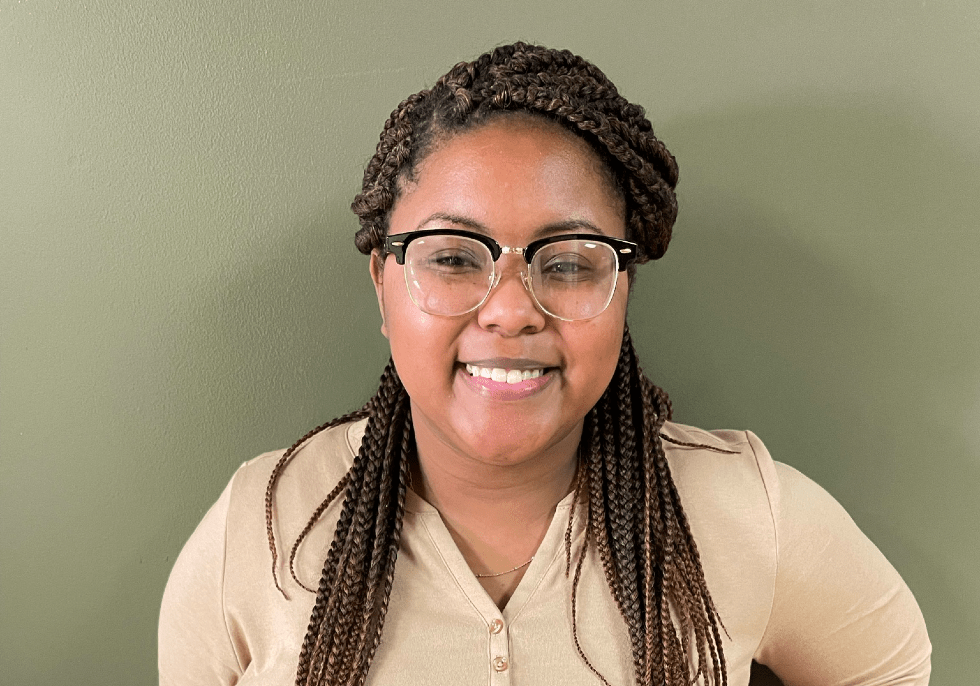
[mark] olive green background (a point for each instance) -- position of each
(180, 290)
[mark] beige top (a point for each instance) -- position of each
(798, 586)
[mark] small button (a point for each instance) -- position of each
(496, 626)
(500, 664)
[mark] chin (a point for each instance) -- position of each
(506, 445)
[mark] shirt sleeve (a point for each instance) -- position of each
(841, 613)
(194, 645)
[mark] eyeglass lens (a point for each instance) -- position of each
(451, 275)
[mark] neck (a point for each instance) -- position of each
(497, 512)
(463, 486)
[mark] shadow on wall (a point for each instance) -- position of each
(822, 299)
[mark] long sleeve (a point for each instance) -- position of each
(841, 613)
(194, 644)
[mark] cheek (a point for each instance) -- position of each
(421, 344)
(400, 312)
(608, 351)
(596, 345)
(614, 329)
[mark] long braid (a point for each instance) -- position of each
(355, 585)
(668, 575)
(274, 479)
(317, 513)
(623, 507)
(632, 512)
(336, 634)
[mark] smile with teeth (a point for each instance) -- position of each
(504, 375)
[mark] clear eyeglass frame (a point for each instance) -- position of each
(625, 253)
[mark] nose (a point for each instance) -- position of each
(510, 309)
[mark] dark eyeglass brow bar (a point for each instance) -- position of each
(397, 243)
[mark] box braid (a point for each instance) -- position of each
(352, 596)
(554, 84)
(633, 515)
(635, 522)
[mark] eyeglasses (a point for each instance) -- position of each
(450, 272)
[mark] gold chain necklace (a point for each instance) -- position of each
(487, 576)
(478, 576)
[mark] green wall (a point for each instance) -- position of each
(180, 290)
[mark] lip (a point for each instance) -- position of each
(503, 391)
(521, 363)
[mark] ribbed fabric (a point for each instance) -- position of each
(798, 586)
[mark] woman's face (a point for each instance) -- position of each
(515, 180)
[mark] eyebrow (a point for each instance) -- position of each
(564, 226)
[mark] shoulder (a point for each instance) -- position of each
(729, 490)
(730, 463)
(310, 473)
(320, 461)
(722, 471)
(727, 473)
(221, 609)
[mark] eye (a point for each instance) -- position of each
(454, 261)
(568, 267)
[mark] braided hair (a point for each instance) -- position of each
(632, 511)
(554, 84)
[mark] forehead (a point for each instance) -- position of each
(512, 175)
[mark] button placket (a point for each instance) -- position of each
(499, 652)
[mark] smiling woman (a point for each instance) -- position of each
(514, 505)
(515, 181)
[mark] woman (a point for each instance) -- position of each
(513, 506)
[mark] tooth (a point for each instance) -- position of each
(536, 373)
(485, 373)
(498, 374)
(525, 375)
(469, 370)
(514, 376)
